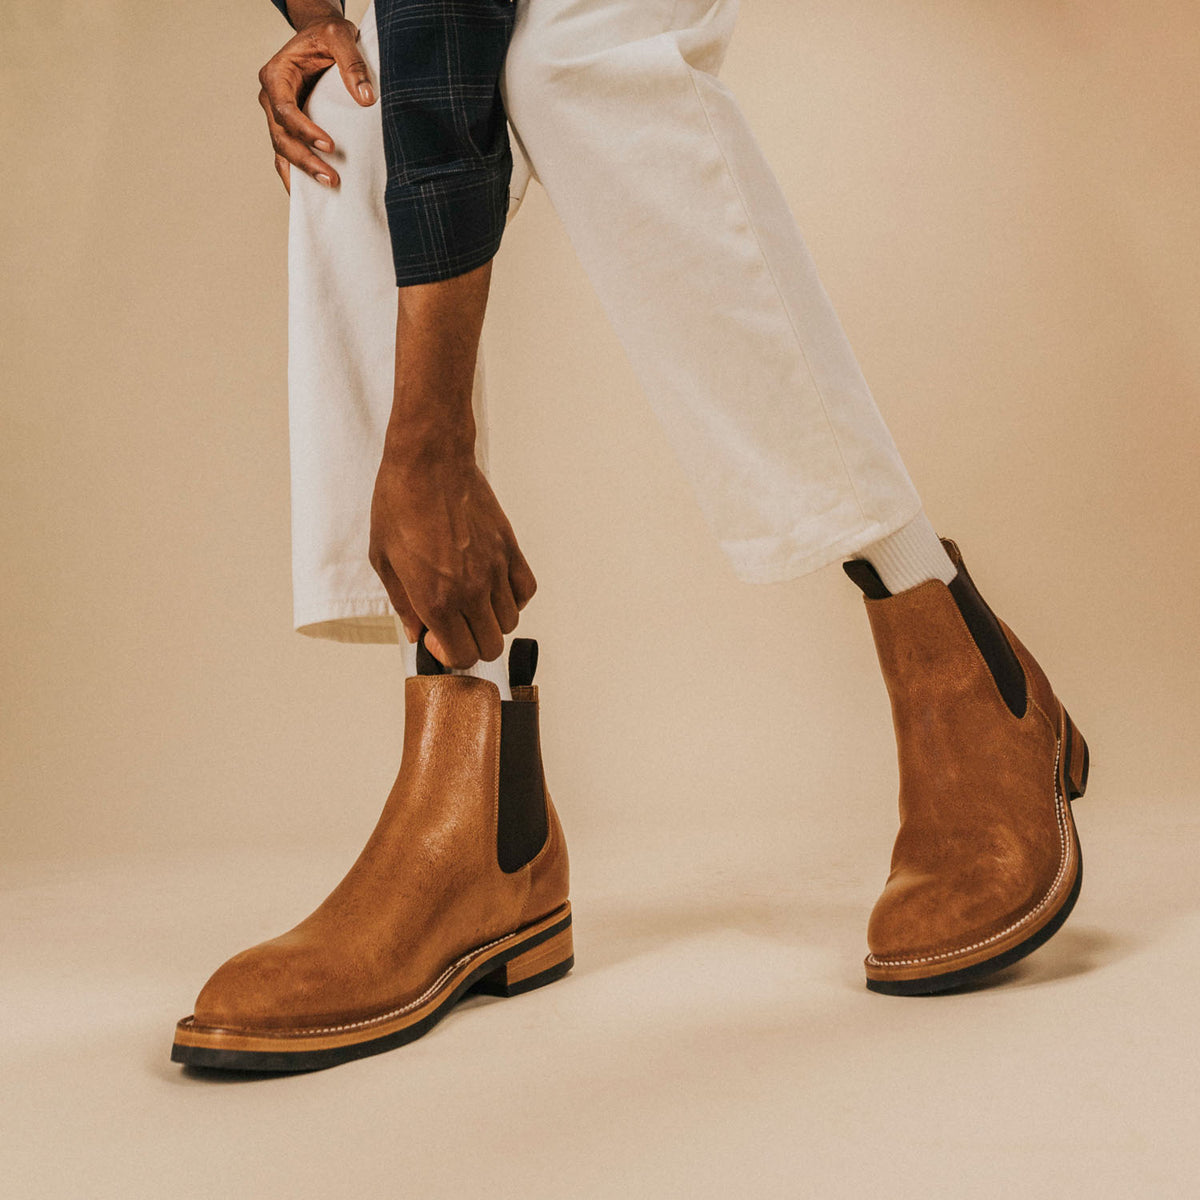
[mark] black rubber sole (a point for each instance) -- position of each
(488, 979)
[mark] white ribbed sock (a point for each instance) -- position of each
(496, 670)
(910, 556)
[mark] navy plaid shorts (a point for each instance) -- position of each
(445, 134)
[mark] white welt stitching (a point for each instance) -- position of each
(1064, 862)
(421, 999)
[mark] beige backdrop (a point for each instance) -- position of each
(1002, 201)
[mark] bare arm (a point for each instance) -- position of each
(440, 542)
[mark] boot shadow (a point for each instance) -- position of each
(1070, 953)
(209, 1075)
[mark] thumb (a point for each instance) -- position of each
(434, 646)
(400, 602)
(352, 66)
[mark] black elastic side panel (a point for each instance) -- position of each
(522, 661)
(989, 637)
(522, 827)
(426, 663)
(867, 578)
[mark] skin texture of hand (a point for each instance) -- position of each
(440, 541)
(323, 39)
(448, 557)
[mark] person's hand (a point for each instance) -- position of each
(322, 40)
(447, 556)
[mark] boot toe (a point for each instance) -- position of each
(927, 918)
(264, 987)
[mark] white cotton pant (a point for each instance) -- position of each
(616, 109)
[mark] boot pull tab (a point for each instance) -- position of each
(426, 663)
(867, 578)
(522, 662)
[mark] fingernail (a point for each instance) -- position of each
(322, 144)
(364, 90)
(325, 180)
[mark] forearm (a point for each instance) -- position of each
(440, 541)
(438, 326)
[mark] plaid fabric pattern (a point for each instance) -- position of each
(445, 133)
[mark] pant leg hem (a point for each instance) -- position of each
(774, 560)
(364, 619)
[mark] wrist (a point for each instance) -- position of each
(429, 445)
(303, 13)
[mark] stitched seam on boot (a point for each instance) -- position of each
(396, 1012)
(1064, 862)
(455, 966)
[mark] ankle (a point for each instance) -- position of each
(911, 556)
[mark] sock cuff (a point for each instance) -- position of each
(496, 670)
(910, 556)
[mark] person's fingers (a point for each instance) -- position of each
(448, 638)
(295, 122)
(296, 152)
(283, 169)
(520, 577)
(400, 601)
(435, 647)
(486, 630)
(281, 83)
(343, 45)
(408, 616)
(505, 607)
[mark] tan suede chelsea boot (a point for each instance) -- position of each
(986, 866)
(462, 885)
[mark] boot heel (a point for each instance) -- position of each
(1075, 753)
(542, 964)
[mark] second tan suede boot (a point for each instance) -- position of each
(462, 885)
(986, 866)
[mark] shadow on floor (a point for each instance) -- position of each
(1071, 952)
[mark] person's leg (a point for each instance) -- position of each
(342, 302)
(464, 880)
(687, 237)
(688, 240)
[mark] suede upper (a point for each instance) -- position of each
(426, 889)
(985, 848)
